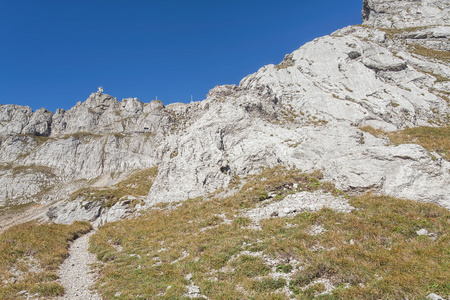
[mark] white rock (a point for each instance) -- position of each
(298, 203)
(422, 231)
(303, 113)
(434, 296)
(409, 13)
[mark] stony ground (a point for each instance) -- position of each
(75, 273)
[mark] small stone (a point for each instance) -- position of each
(433, 236)
(353, 54)
(193, 289)
(274, 214)
(352, 242)
(434, 296)
(422, 231)
(117, 294)
(22, 292)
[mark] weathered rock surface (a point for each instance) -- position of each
(405, 13)
(390, 73)
(297, 203)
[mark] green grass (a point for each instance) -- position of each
(138, 184)
(387, 260)
(435, 139)
(30, 255)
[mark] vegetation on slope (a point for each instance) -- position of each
(136, 185)
(30, 255)
(436, 139)
(210, 247)
(430, 53)
(395, 33)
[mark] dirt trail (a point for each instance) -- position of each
(75, 273)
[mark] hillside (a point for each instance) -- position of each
(348, 138)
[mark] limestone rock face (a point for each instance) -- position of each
(306, 112)
(13, 118)
(405, 13)
(346, 77)
(102, 114)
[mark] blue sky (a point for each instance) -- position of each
(54, 53)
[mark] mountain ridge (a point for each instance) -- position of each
(390, 73)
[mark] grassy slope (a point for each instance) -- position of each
(138, 184)
(206, 239)
(436, 139)
(387, 259)
(30, 255)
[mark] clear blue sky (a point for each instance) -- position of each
(54, 53)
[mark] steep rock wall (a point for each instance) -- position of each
(305, 112)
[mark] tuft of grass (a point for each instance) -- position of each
(392, 33)
(81, 136)
(268, 284)
(288, 61)
(314, 289)
(435, 139)
(37, 139)
(33, 169)
(372, 252)
(284, 268)
(138, 184)
(250, 266)
(430, 53)
(30, 255)
(277, 180)
(439, 78)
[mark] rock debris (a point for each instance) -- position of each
(76, 274)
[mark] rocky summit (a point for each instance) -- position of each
(317, 110)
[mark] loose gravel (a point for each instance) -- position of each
(75, 273)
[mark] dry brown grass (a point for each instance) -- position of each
(206, 238)
(30, 255)
(436, 139)
(138, 184)
(430, 53)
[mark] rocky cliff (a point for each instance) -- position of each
(307, 112)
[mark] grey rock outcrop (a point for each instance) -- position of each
(405, 13)
(305, 112)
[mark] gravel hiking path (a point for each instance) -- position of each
(75, 273)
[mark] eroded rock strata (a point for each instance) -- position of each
(390, 73)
